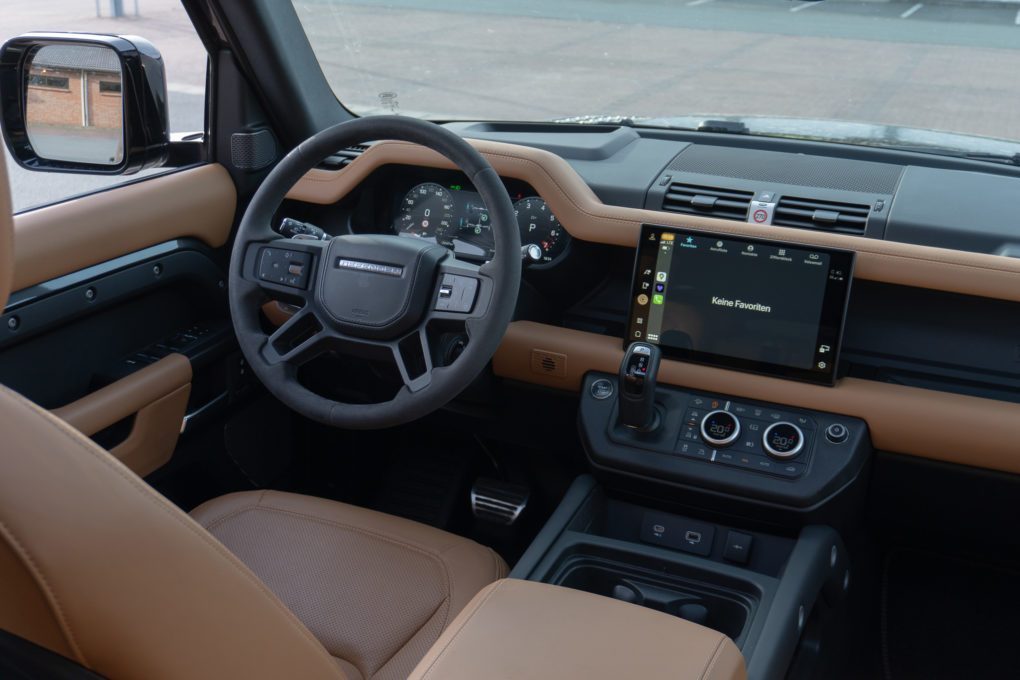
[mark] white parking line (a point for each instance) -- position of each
(695, 3)
(804, 5)
(910, 12)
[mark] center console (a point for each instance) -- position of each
(711, 507)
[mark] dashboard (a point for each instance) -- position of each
(920, 293)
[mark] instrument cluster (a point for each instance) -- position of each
(453, 215)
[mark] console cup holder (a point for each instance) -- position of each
(722, 608)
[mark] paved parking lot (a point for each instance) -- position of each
(945, 64)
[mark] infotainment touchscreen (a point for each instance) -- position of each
(750, 304)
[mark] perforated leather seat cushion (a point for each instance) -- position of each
(376, 590)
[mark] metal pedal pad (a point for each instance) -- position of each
(498, 502)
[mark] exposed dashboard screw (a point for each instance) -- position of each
(13, 323)
(157, 269)
(90, 293)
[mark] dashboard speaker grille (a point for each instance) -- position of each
(548, 363)
(252, 150)
(788, 168)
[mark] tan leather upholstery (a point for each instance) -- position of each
(97, 566)
(157, 397)
(375, 589)
(521, 629)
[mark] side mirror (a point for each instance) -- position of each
(82, 103)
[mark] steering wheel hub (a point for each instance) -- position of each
(378, 286)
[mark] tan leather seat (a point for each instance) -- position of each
(98, 567)
(376, 590)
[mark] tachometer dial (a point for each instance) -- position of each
(539, 226)
(426, 212)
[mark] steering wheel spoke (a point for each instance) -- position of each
(302, 338)
(413, 358)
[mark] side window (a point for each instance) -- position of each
(162, 22)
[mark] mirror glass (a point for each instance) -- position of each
(73, 108)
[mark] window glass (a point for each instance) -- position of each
(164, 23)
(944, 73)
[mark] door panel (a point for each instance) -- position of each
(155, 396)
(66, 237)
(118, 321)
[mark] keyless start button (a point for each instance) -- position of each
(782, 440)
(720, 428)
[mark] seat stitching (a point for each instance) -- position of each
(716, 655)
(44, 585)
(460, 629)
(148, 494)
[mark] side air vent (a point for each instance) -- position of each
(692, 199)
(341, 160)
(809, 213)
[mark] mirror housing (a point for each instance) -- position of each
(144, 138)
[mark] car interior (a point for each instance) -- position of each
(312, 394)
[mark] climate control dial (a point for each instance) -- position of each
(782, 440)
(720, 428)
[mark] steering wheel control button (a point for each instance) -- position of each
(720, 428)
(782, 440)
(602, 389)
(456, 294)
(285, 267)
(837, 433)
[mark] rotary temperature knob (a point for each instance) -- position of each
(720, 428)
(782, 440)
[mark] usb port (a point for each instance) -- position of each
(693, 537)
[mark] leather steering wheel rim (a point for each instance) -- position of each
(497, 283)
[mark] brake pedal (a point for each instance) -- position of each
(498, 502)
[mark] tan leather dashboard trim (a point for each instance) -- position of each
(587, 218)
(65, 237)
(908, 420)
(156, 395)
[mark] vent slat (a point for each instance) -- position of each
(693, 199)
(807, 213)
(342, 158)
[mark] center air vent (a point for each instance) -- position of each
(692, 199)
(809, 213)
(341, 160)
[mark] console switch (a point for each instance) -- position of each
(738, 547)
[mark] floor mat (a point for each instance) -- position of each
(948, 618)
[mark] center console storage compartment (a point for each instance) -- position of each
(773, 595)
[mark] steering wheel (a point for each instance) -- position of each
(371, 296)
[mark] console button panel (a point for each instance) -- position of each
(779, 454)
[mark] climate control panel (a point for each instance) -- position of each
(776, 453)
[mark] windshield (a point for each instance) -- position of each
(948, 65)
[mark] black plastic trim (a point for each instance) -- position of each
(36, 309)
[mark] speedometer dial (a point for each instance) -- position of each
(426, 212)
(539, 226)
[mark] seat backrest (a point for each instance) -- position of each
(97, 566)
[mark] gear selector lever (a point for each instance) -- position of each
(637, 386)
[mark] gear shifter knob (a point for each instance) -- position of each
(637, 386)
